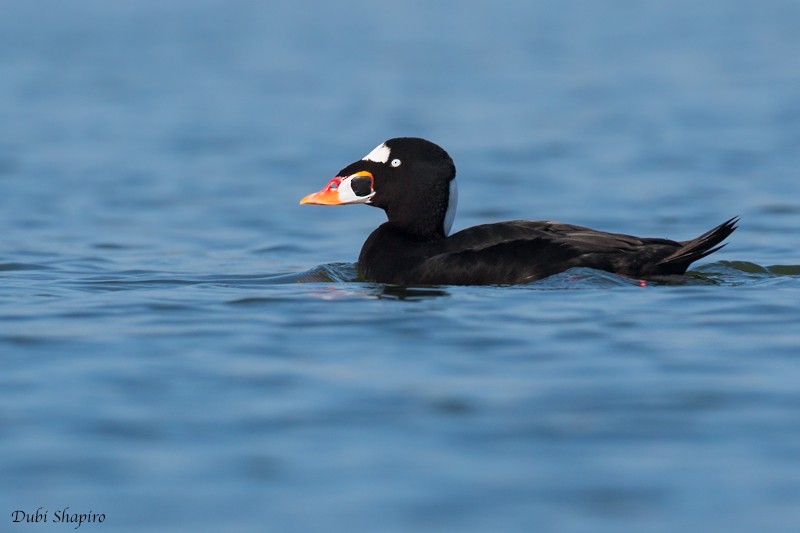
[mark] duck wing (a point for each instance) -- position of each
(522, 251)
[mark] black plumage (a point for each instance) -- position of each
(413, 186)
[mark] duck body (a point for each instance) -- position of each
(413, 180)
(522, 251)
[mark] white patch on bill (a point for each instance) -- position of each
(380, 154)
(452, 202)
(348, 196)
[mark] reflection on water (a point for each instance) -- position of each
(396, 292)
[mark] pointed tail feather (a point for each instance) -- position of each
(691, 251)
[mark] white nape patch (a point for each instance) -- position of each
(452, 202)
(380, 154)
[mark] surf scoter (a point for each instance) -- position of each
(413, 180)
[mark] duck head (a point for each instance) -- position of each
(411, 179)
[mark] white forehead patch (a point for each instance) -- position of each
(380, 154)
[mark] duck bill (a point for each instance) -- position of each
(353, 189)
(327, 196)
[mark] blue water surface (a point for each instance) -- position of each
(185, 348)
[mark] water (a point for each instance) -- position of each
(186, 348)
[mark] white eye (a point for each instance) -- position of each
(396, 162)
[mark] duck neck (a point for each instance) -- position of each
(426, 217)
